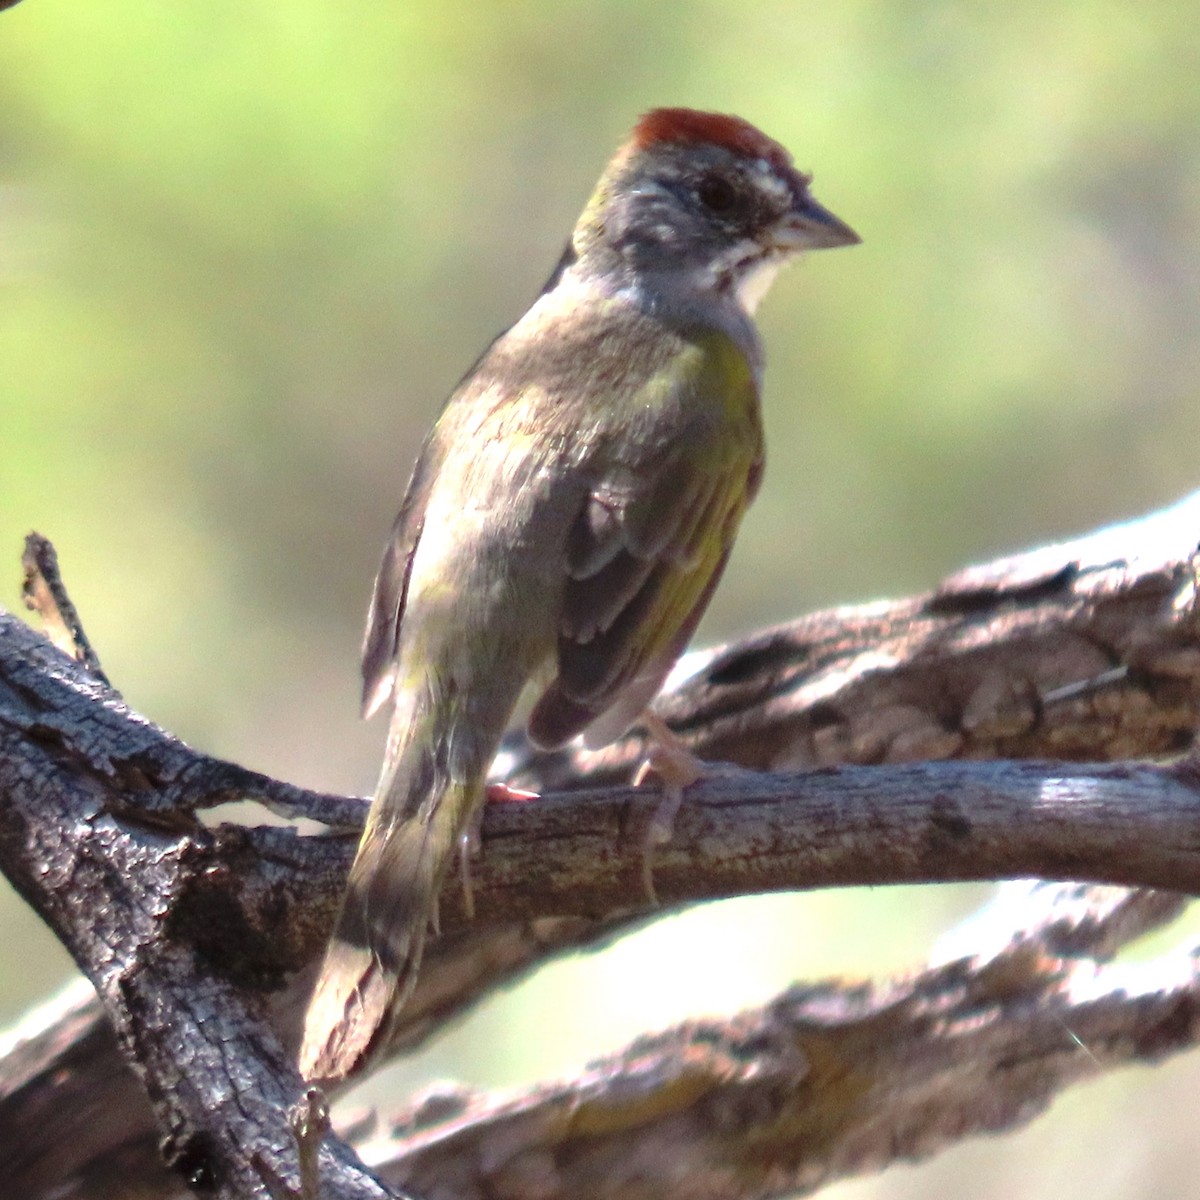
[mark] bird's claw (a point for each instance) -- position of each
(470, 841)
(678, 768)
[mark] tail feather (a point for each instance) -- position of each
(351, 1012)
(443, 736)
(371, 963)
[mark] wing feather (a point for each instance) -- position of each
(644, 555)
(382, 637)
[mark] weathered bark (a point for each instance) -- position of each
(1088, 650)
(826, 1081)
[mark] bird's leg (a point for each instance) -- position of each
(469, 840)
(468, 844)
(678, 768)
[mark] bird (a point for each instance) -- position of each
(567, 521)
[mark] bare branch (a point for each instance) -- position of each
(45, 594)
(1091, 646)
(87, 837)
(826, 1081)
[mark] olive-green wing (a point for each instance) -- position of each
(382, 638)
(643, 558)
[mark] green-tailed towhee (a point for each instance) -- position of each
(567, 521)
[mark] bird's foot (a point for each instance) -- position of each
(670, 761)
(470, 841)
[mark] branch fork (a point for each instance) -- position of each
(1005, 724)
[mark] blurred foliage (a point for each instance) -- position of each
(246, 249)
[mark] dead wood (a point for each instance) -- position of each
(196, 938)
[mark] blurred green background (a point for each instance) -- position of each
(246, 249)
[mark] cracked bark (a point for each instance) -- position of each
(197, 939)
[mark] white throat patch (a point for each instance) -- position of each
(753, 282)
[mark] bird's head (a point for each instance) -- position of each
(707, 198)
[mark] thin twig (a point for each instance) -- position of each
(45, 593)
(309, 1118)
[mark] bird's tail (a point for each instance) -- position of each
(371, 963)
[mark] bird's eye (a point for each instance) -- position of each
(717, 194)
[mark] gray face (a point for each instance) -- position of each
(684, 207)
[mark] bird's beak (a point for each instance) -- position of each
(811, 226)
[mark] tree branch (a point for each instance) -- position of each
(1090, 646)
(831, 1080)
